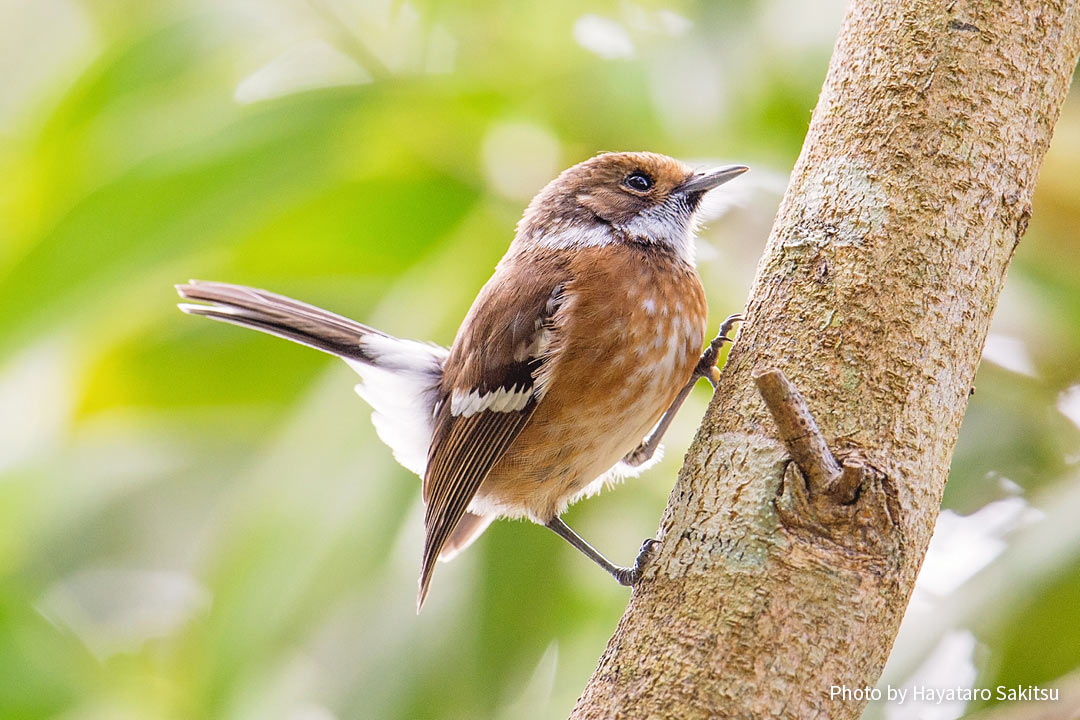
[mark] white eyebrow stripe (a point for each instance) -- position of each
(511, 399)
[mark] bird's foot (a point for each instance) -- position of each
(706, 366)
(629, 576)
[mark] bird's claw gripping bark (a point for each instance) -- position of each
(706, 366)
(629, 576)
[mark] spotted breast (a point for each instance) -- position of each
(627, 334)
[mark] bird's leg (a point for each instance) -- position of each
(706, 368)
(644, 452)
(625, 575)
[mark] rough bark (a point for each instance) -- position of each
(776, 581)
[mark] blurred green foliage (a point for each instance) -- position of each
(197, 521)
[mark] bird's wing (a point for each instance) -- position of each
(488, 394)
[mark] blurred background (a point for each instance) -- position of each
(197, 521)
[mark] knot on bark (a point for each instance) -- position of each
(844, 500)
(858, 513)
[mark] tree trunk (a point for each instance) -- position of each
(779, 580)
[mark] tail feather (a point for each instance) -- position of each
(400, 377)
(470, 527)
(279, 315)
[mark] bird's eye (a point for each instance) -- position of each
(638, 181)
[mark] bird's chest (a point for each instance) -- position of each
(630, 341)
(626, 342)
(634, 342)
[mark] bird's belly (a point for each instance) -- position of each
(601, 406)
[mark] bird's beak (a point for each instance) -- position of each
(704, 181)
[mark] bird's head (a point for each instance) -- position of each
(638, 197)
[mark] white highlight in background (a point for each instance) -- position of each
(1009, 353)
(950, 665)
(1068, 404)
(520, 158)
(309, 65)
(604, 37)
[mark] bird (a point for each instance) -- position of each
(565, 372)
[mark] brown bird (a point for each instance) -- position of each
(565, 373)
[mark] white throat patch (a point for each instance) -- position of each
(666, 224)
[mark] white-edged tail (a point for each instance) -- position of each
(400, 377)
